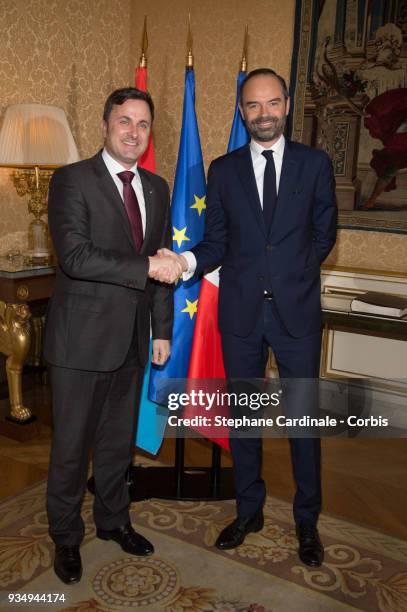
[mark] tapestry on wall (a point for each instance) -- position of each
(349, 94)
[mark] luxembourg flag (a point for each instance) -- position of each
(206, 359)
(152, 418)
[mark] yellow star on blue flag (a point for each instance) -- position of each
(180, 236)
(199, 204)
(191, 308)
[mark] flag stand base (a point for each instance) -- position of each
(196, 485)
(180, 482)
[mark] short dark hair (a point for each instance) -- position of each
(265, 72)
(119, 96)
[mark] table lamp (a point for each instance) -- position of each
(34, 140)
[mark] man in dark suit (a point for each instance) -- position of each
(271, 222)
(107, 218)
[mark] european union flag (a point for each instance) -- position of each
(188, 220)
(239, 136)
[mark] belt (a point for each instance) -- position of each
(268, 295)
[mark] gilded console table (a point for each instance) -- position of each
(21, 284)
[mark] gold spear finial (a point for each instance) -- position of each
(190, 57)
(144, 45)
(243, 64)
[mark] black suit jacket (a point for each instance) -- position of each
(102, 289)
(284, 259)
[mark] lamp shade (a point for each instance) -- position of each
(35, 134)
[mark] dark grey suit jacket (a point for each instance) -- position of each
(102, 289)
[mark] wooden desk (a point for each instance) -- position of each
(23, 284)
(22, 287)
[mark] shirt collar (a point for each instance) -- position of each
(278, 147)
(113, 166)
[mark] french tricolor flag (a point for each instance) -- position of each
(206, 359)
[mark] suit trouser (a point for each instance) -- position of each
(296, 358)
(99, 410)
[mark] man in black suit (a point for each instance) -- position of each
(270, 222)
(107, 218)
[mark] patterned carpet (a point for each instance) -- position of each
(363, 569)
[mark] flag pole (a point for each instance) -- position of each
(190, 57)
(147, 160)
(180, 438)
(144, 45)
(243, 63)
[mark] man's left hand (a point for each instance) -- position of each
(161, 351)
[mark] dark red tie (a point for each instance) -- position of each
(132, 207)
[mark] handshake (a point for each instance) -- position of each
(166, 266)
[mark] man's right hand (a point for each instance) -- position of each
(164, 267)
(179, 258)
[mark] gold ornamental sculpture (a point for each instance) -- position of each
(35, 185)
(15, 344)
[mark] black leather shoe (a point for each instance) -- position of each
(68, 564)
(234, 534)
(130, 541)
(310, 551)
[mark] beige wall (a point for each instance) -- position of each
(70, 53)
(218, 29)
(74, 53)
(381, 251)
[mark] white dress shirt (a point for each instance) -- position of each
(114, 168)
(259, 166)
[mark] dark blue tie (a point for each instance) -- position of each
(269, 189)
